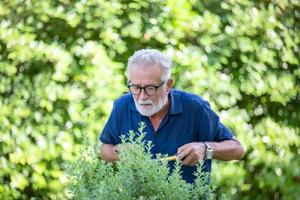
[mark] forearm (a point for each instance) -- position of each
(227, 150)
(108, 152)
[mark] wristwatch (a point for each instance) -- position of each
(209, 152)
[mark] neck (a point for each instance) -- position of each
(160, 114)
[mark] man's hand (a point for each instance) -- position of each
(109, 152)
(191, 153)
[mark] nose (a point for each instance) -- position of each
(143, 95)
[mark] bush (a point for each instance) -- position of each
(135, 176)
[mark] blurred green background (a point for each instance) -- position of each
(62, 64)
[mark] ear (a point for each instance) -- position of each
(170, 84)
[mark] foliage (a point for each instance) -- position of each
(135, 176)
(52, 93)
(62, 63)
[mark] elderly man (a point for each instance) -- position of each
(177, 122)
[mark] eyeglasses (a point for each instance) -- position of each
(149, 90)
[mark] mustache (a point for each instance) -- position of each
(148, 101)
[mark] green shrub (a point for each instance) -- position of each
(135, 176)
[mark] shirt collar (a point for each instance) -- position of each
(175, 106)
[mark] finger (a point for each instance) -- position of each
(183, 154)
(116, 148)
(181, 149)
(187, 160)
(192, 159)
(195, 161)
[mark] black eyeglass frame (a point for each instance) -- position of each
(144, 88)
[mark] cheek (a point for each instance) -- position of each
(135, 97)
(156, 99)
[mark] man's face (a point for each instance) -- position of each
(146, 104)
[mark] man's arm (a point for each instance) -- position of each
(109, 152)
(227, 150)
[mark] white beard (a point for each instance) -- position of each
(155, 107)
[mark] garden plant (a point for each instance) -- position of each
(135, 176)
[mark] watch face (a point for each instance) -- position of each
(209, 153)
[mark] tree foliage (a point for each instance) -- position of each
(62, 63)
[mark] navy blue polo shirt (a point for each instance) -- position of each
(189, 119)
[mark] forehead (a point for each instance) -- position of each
(145, 74)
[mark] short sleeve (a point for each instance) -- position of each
(211, 127)
(110, 133)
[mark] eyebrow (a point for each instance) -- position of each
(144, 85)
(130, 83)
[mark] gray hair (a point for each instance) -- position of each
(148, 57)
